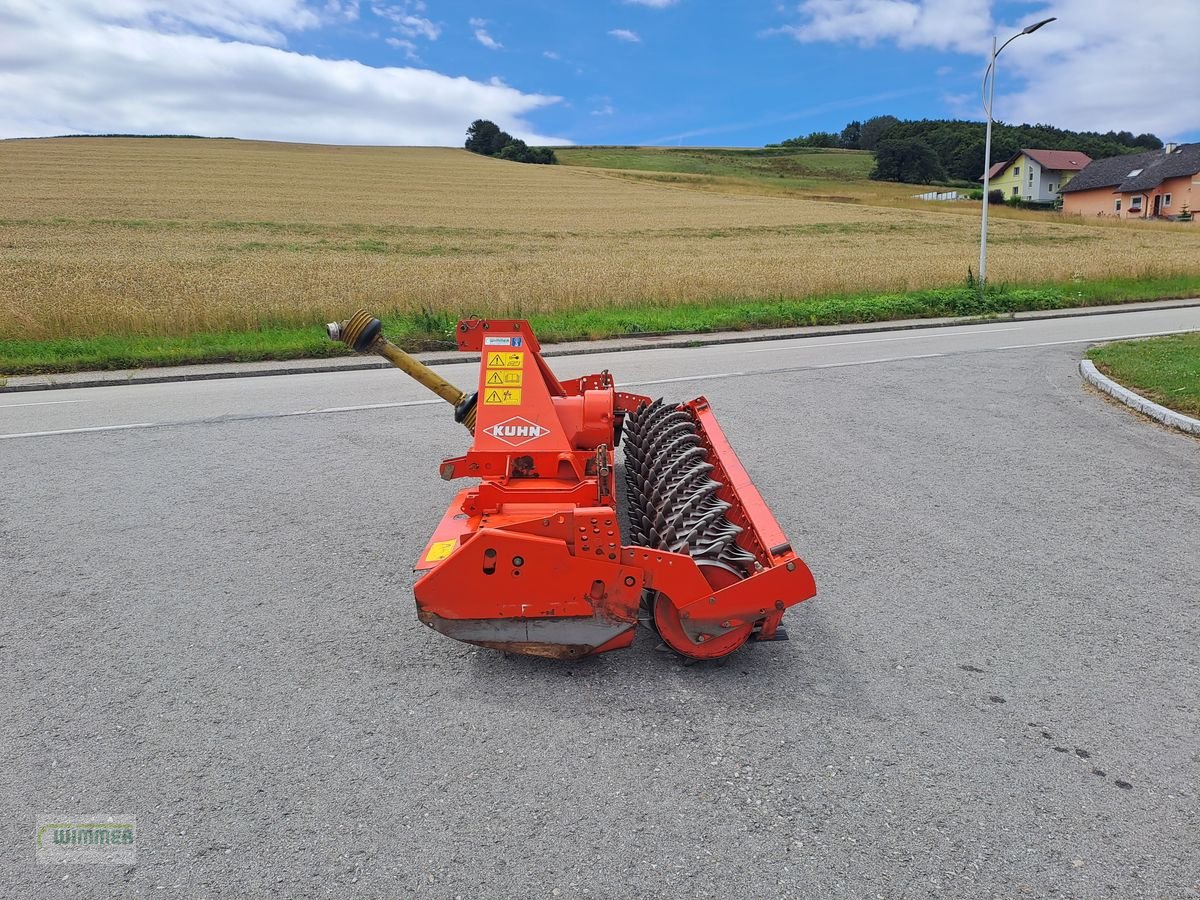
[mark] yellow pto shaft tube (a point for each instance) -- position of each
(363, 333)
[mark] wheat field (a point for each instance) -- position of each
(176, 236)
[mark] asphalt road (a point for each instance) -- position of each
(207, 623)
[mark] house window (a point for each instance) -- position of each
(1135, 203)
(1016, 190)
(1051, 187)
(1016, 170)
(1117, 204)
(1166, 199)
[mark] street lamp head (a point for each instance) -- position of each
(1036, 25)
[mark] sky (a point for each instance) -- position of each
(659, 72)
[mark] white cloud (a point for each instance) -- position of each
(409, 47)
(217, 67)
(1099, 68)
(624, 34)
(552, 54)
(944, 24)
(654, 4)
(481, 35)
(260, 21)
(407, 19)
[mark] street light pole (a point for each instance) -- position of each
(987, 164)
(989, 94)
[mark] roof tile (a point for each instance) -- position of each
(1067, 160)
(1151, 168)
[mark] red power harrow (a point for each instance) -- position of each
(532, 559)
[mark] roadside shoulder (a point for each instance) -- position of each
(641, 341)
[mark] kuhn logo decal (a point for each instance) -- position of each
(516, 431)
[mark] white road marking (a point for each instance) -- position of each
(233, 418)
(1093, 340)
(685, 378)
(338, 409)
(800, 368)
(28, 434)
(910, 337)
(41, 403)
(868, 362)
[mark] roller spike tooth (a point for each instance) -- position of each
(656, 438)
(648, 530)
(666, 530)
(718, 537)
(701, 499)
(719, 540)
(687, 472)
(710, 529)
(659, 448)
(693, 505)
(673, 502)
(635, 530)
(653, 414)
(669, 453)
(686, 485)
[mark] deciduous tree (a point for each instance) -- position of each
(910, 161)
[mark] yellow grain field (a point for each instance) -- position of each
(172, 236)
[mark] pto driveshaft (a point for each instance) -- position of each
(363, 333)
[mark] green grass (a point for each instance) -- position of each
(1163, 369)
(428, 331)
(754, 163)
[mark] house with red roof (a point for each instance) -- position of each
(1037, 175)
(1156, 184)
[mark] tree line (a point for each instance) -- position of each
(937, 150)
(486, 138)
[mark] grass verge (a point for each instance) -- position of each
(428, 331)
(1163, 369)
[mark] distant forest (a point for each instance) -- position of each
(952, 149)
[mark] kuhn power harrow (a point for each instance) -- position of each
(531, 559)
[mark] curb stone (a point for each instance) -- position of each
(1155, 411)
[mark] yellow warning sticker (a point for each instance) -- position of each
(502, 396)
(440, 550)
(505, 360)
(503, 378)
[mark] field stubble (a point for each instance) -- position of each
(179, 236)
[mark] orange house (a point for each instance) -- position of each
(1156, 184)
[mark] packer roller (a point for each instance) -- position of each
(533, 556)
